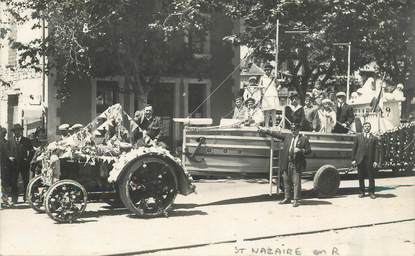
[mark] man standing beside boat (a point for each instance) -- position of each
(364, 156)
(292, 162)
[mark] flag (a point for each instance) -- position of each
(377, 104)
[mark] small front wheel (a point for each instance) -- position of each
(35, 193)
(65, 201)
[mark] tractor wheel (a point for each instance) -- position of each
(65, 201)
(35, 194)
(148, 186)
(326, 181)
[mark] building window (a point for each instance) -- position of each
(107, 95)
(199, 41)
(196, 97)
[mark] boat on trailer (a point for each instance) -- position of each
(244, 153)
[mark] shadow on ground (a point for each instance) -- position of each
(256, 199)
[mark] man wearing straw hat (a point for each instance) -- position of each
(344, 113)
(21, 153)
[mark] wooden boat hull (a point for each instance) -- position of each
(243, 152)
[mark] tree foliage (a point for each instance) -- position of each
(378, 30)
(134, 38)
(140, 40)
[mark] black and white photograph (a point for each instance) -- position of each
(207, 127)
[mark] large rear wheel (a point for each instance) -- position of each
(148, 186)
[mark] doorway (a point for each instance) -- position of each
(162, 98)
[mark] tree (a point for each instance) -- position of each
(140, 40)
(379, 30)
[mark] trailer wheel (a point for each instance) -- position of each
(326, 181)
(65, 201)
(149, 186)
(35, 194)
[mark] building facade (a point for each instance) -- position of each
(175, 96)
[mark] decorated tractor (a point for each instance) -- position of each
(97, 163)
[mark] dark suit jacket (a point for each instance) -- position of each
(363, 147)
(4, 153)
(345, 114)
(297, 117)
(299, 159)
(152, 127)
(22, 151)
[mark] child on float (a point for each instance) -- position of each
(270, 99)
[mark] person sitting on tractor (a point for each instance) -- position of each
(148, 131)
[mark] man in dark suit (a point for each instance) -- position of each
(292, 161)
(344, 114)
(149, 128)
(364, 156)
(21, 153)
(4, 166)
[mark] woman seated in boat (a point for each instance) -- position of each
(326, 117)
(252, 90)
(240, 109)
(253, 114)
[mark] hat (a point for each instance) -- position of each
(76, 126)
(308, 95)
(252, 78)
(286, 73)
(268, 66)
(341, 94)
(294, 126)
(250, 99)
(293, 94)
(63, 127)
(326, 101)
(17, 127)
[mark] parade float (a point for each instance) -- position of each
(241, 152)
(99, 163)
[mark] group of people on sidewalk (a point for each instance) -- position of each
(15, 157)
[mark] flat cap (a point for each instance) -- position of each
(341, 94)
(252, 78)
(77, 126)
(293, 94)
(63, 127)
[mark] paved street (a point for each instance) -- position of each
(225, 214)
